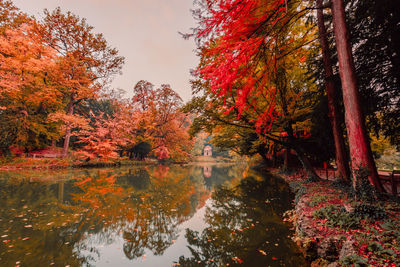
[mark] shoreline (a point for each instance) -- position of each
(68, 163)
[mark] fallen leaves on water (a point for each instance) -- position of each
(262, 252)
(237, 259)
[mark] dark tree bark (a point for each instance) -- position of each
(274, 156)
(262, 151)
(67, 138)
(360, 150)
(340, 149)
(301, 155)
(286, 159)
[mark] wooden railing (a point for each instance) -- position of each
(44, 155)
(390, 179)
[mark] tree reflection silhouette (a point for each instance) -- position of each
(32, 228)
(138, 178)
(65, 222)
(245, 226)
(147, 212)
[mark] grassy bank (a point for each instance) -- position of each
(71, 162)
(62, 163)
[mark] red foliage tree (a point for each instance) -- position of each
(244, 45)
(236, 34)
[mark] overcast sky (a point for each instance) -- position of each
(144, 31)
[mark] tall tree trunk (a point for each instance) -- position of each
(61, 191)
(360, 150)
(340, 149)
(262, 151)
(67, 138)
(286, 159)
(301, 155)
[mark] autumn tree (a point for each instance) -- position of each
(87, 63)
(247, 44)
(226, 130)
(143, 94)
(27, 93)
(10, 16)
(99, 141)
(24, 62)
(159, 121)
(172, 124)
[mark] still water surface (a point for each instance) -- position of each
(145, 216)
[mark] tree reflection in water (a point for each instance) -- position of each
(245, 227)
(34, 229)
(65, 222)
(145, 208)
(71, 222)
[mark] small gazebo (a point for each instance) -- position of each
(207, 151)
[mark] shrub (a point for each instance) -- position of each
(298, 189)
(367, 211)
(354, 260)
(337, 216)
(364, 191)
(392, 232)
(316, 200)
(341, 184)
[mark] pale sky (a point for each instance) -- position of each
(144, 31)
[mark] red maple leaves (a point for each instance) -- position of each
(236, 34)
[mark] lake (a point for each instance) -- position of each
(211, 215)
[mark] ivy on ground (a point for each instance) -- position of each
(375, 226)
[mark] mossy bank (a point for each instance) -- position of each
(333, 229)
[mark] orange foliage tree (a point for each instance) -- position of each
(52, 69)
(10, 16)
(27, 92)
(86, 62)
(98, 140)
(160, 122)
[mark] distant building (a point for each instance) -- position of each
(208, 151)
